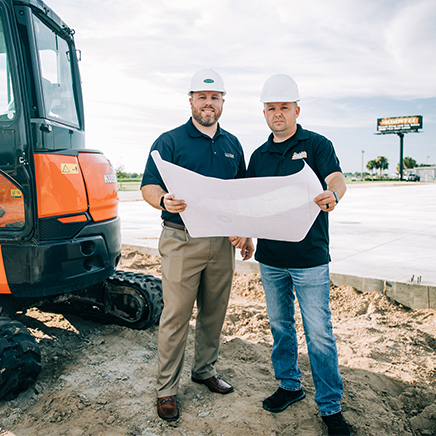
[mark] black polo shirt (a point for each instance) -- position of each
(284, 159)
(221, 156)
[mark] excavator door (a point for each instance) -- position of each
(16, 215)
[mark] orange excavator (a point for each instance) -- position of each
(60, 239)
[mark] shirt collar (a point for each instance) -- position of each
(278, 147)
(193, 132)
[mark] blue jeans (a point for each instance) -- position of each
(312, 288)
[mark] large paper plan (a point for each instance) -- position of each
(279, 208)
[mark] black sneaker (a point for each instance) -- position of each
(336, 425)
(281, 399)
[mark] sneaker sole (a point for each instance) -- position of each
(285, 405)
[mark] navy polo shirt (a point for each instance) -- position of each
(221, 157)
(283, 159)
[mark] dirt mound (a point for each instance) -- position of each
(100, 379)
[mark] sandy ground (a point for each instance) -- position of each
(100, 379)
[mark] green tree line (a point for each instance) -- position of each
(121, 174)
(382, 163)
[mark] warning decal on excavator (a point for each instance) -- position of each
(15, 193)
(69, 169)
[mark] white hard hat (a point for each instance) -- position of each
(206, 80)
(280, 88)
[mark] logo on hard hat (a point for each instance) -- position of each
(209, 81)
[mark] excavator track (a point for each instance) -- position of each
(20, 358)
(146, 287)
(125, 298)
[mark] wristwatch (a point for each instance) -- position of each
(336, 196)
(162, 204)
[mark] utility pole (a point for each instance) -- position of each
(361, 172)
(401, 135)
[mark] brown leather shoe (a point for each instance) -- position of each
(167, 408)
(215, 384)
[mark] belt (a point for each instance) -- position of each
(174, 225)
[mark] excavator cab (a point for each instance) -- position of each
(39, 110)
(60, 239)
(59, 228)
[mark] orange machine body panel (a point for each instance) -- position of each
(59, 185)
(4, 287)
(101, 185)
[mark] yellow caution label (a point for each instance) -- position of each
(69, 169)
(15, 193)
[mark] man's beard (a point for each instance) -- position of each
(205, 121)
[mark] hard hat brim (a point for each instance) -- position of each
(279, 101)
(202, 90)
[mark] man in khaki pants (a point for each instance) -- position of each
(193, 269)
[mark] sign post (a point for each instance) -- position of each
(399, 126)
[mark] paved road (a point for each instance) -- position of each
(383, 231)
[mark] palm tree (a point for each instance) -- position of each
(382, 164)
(372, 165)
(409, 163)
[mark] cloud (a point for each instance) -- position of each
(353, 61)
(356, 48)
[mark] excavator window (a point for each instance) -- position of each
(57, 82)
(7, 106)
(12, 211)
(7, 103)
(11, 205)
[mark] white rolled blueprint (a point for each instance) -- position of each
(279, 208)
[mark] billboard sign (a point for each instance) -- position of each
(399, 124)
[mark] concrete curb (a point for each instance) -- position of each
(412, 295)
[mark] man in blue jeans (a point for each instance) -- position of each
(300, 269)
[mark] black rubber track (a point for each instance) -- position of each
(20, 358)
(147, 287)
(150, 287)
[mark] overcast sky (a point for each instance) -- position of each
(354, 61)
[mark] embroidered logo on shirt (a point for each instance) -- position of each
(300, 155)
(229, 155)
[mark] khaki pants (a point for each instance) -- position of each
(192, 269)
